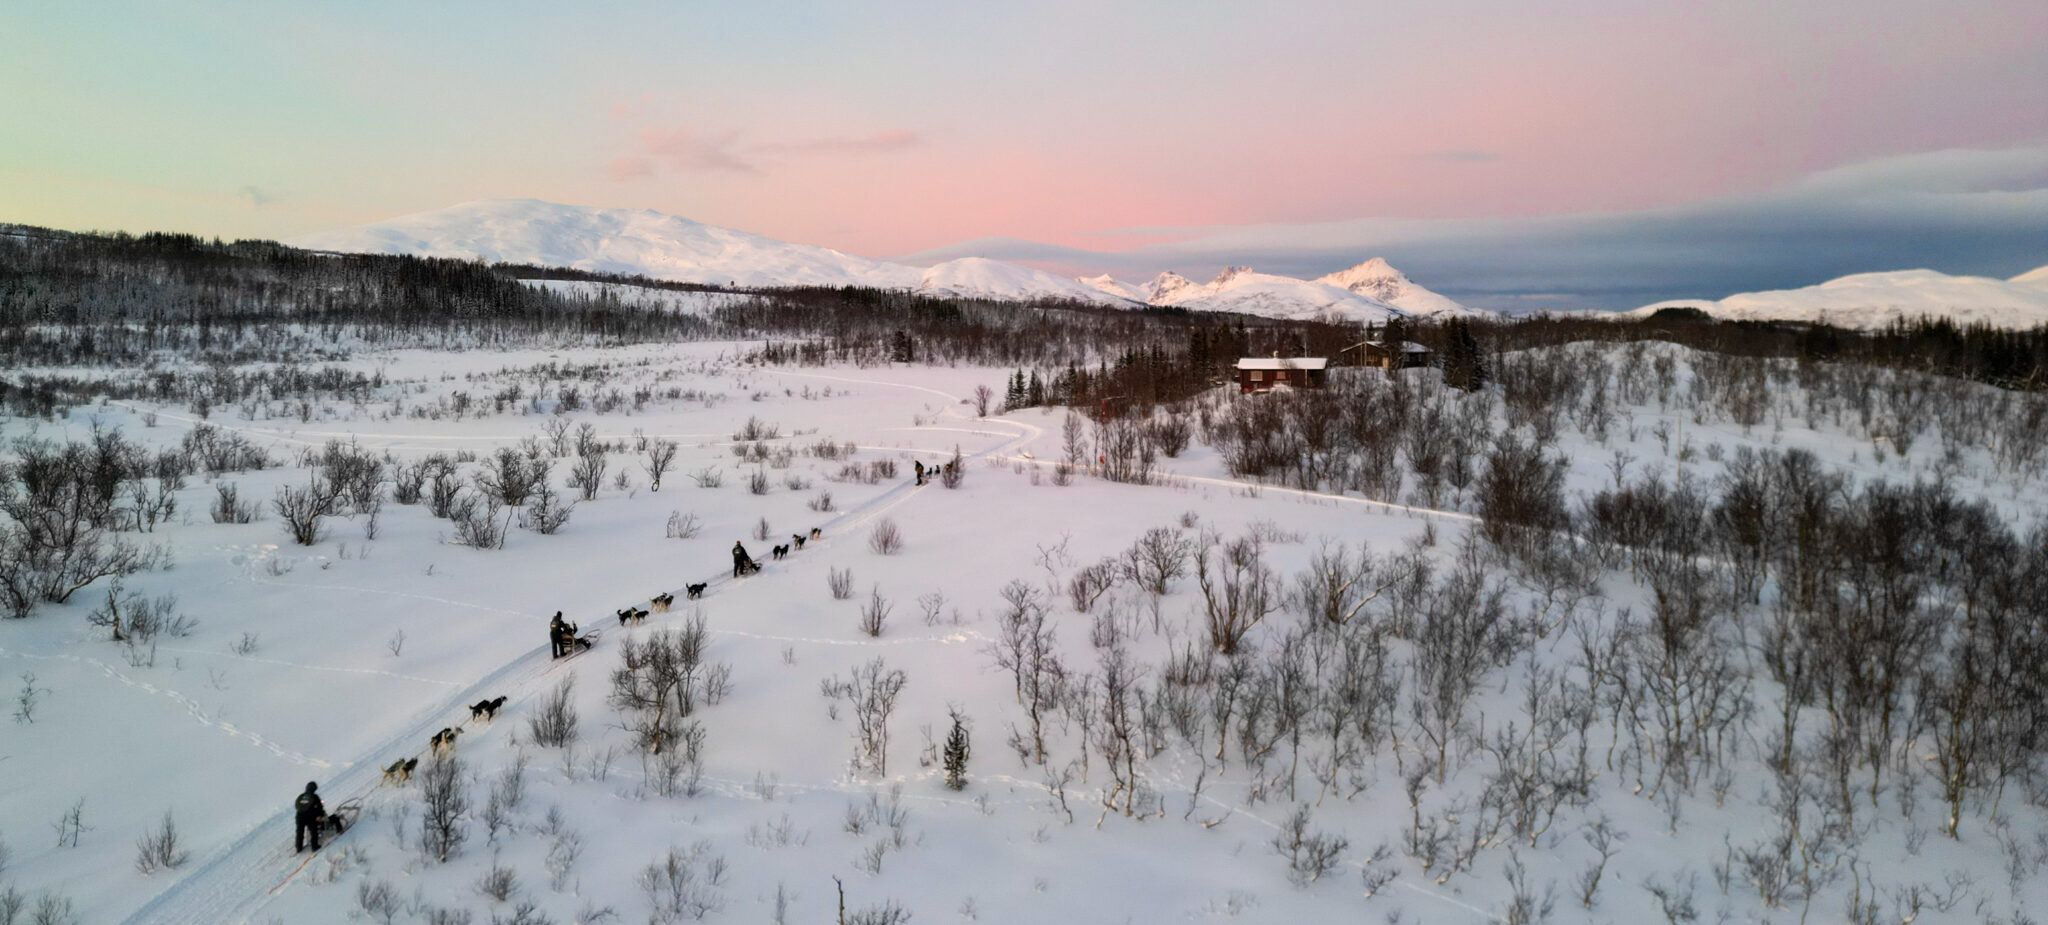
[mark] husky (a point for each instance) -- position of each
(400, 771)
(815, 533)
(444, 740)
(631, 615)
(486, 709)
(695, 591)
(797, 540)
(778, 551)
(661, 601)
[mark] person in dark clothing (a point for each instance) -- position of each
(741, 562)
(919, 463)
(312, 816)
(559, 634)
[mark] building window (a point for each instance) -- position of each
(1258, 375)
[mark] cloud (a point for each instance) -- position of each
(630, 168)
(1982, 212)
(1466, 156)
(686, 148)
(255, 196)
(880, 142)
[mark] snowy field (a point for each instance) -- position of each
(328, 662)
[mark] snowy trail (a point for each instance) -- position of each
(235, 882)
(1168, 478)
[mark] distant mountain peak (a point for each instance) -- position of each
(1165, 284)
(1377, 279)
(1228, 274)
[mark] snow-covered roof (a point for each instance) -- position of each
(1282, 363)
(1407, 346)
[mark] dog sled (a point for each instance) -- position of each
(577, 646)
(343, 817)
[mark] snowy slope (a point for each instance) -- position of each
(1377, 280)
(1868, 300)
(1164, 287)
(1239, 289)
(627, 241)
(1115, 287)
(982, 278)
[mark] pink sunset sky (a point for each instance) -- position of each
(903, 127)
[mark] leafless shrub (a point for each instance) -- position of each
(1238, 590)
(1157, 558)
(511, 476)
(554, 724)
(661, 455)
(160, 848)
(301, 509)
(545, 512)
(444, 800)
(587, 474)
(885, 538)
(1310, 854)
(757, 429)
(871, 694)
(684, 884)
(1027, 647)
(229, 508)
(1090, 583)
(821, 502)
(683, 526)
(498, 883)
(378, 901)
(841, 583)
(708, 477)
(476, 522)
(757, 482)
(875, 612)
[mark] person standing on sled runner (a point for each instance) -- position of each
(311, 815)
(919, 463)
(741, 562)
(561, 635)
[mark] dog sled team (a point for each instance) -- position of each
(925, 473)
(312, 818)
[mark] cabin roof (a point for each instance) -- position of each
(1282, 363)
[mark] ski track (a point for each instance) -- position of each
(235, 882)
(191, 706)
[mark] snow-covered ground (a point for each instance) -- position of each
(327, 662)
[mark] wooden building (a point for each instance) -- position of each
(1257, 374)
(1402, 355)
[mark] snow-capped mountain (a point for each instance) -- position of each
(1163, 287)
(1377, 280)
(639, 242)
(1115, 287)
(982, 278)
(1869, 300)
(627, 241)
(1240, 289)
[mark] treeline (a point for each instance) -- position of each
(2007, 358)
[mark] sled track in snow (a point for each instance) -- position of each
(235, 882)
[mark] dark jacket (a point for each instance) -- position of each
(309, 806)
(739, 554)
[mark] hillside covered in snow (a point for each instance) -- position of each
(1869, 300)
